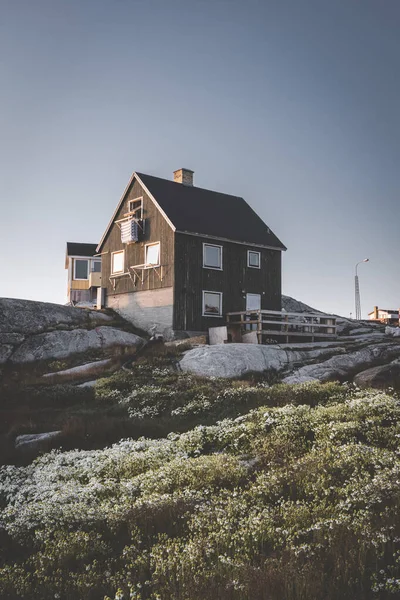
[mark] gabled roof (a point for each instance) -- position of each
(78, 249)
(198, 211)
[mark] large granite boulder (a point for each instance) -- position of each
(346, 366)
(381, 377)
(29, 317)
(339, 360)
(57, 345)
(235, 360)
(84, 372)
(34, 335)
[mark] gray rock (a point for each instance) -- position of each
(87, 384)
(8, 343)
(342, 367)
(29, 317)
(234, 360)
(63, 344)
(5, 352)
(320, 361)
(360, 331)
(292, 305)
(381, 377)
(34, 441)
(393, 331)
(93, 369)
(14, 339)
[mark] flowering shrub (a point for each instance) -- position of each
(295, 501)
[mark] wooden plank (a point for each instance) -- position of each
(296, 333)
(298, 324)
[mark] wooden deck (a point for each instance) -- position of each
(280, 324)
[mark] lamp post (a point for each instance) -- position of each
(357, 290)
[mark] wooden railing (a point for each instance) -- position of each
(271, 323)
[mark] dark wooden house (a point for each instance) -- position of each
(177, 258)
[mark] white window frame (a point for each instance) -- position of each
(254, 295)
(112, 262)
(88, 269)
(248, 259)
(205, 244)
(95, 260)
(204, 314)
(146, 264)
(140, 216)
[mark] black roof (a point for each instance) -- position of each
(77, 249)
(204, 212)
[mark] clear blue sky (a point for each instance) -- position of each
(292, 104)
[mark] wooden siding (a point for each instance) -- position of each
(234, 281)
(156, 230)
(80, 284)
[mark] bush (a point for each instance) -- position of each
(286, 502)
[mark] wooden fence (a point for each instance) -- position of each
(273, 323)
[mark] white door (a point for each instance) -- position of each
(253, 302)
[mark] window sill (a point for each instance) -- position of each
(213, 268)
(215, 316)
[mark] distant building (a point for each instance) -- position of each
(84, 272)
(383, 315)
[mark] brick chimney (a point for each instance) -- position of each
(184, 176)
(376, 312)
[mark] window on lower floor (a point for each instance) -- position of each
(152, 258)
(212, 304)
(253, 259)
(81, 267)
(253, 301)
(117, 262)
(212, 256)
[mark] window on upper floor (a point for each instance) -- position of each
(135, 207)
(212, 304)
(81, 268)
(117, 262)
(152, 255)
(96, 266)
(253, 259)
(212, 256)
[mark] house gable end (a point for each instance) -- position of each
(124, 198)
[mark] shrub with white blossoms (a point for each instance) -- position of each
(300, 499)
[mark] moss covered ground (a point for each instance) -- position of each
(224, 490)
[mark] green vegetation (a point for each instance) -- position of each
(282, 492)
(151, 400)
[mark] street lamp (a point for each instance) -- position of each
(357, 291)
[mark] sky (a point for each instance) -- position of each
(292, 104)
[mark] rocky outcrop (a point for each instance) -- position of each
(28, 317)
(33, 442)
(58, 345)
(35, 335)
(98, 368)
(344, 367)
(292, 305)
(360, 344)
(235, 360)
(339, 360)
(382, 377)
